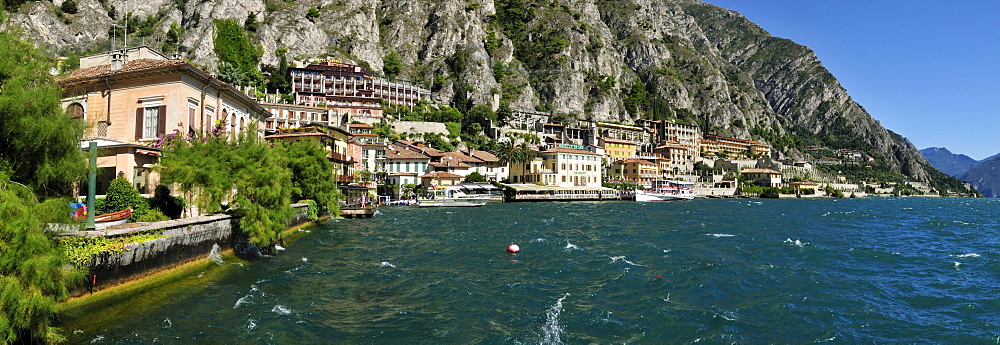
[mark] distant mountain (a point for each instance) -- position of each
(985, 177)
(947, 162)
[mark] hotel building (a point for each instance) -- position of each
(350, 89)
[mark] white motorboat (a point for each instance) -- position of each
(666, 190)
(447, 196)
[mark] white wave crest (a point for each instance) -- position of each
(215, 254)
(720, 235)
(570, 246)
(387, 264)
(278, 248)
(969, 255)
(305, 259)
(251, 324)
(280, 309)
(796, 242)
(552, 331)
(957, 263)
(243, 300)
(97, 339)
(622, 258)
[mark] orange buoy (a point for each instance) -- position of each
(513, 248)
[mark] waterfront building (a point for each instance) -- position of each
(293, 116)
(634, 134)
(805, 187)
(488, 165)
(350, 89)
(371, 158)
(618, 149)
(131, 98)
(634, 170)
(335, 140)
(404, 166)
(676, 154)
(559, 166)
(440, 178)
(763, 177)
(740, 148)
(454, 162)
(688, 136)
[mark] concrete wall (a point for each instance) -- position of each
(419, 127)
(187, 239)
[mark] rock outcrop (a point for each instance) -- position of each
(586, 59)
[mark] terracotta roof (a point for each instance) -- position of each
(441, 174)
(569, 150)
(131, 66)
(759, 171)
(485, 156)
(360, 125)
(403, 174)
(401, 153)
(460, 157)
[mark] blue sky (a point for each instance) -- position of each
(928, 70)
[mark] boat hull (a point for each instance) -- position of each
(644, 196)
(461, 202)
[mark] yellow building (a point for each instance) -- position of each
(131, 98)
(763, 177)
(560, 166)
(634, 170)
(618, 148)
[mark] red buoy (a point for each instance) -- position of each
(513, 248)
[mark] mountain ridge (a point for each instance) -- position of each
(617, 61)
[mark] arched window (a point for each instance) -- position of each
(75, 111)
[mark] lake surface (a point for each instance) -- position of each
(882, 270)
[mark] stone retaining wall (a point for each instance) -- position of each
(187, 239)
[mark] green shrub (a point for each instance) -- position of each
(122, 195)
(69, 6)
(313, 13)
(153, 215)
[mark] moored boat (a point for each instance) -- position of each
(114, 218)
(447, 196)
(666, 190)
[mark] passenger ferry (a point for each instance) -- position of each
(666, 190)
(449, 196)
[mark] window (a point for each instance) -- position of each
(150, 118)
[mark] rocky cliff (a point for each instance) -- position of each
(610, 60)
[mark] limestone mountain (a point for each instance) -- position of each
(949, 163)
(985, 177)
(608, 60)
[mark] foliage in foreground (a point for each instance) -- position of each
(38, 140)
(312, 174)
(33, 269)
(242, 170)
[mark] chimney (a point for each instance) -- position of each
(117, 60)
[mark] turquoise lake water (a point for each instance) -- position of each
(847, 271)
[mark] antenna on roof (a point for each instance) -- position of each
(126, 25)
